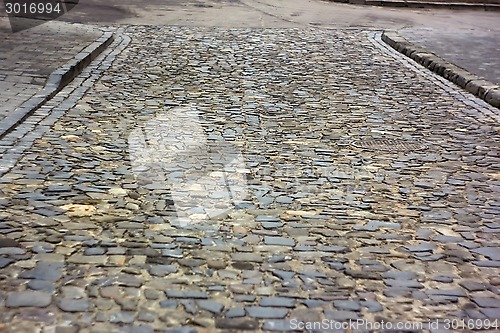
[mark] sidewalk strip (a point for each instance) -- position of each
(55, 82)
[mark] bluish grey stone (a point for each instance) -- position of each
(277, 302)
(211, 306)
(47, 271)
(347, 305)
(282, 241)
(266, 312)
(42, 285)
(73, 305)
(122, 317)
(172, 304)
(28, 298)
(185, 294)
(235, 313)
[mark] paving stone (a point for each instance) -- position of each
(492, 253)
(4, 262)
(122, 317)
(147, 316)
(277, 302)
(235, 313)
(211, 306)
(152, 294)
(347, 305)
(237, 324)
(278, 325)
(185, 329)
(7, 242)
(185, 294)
(372, 306)
(46, 271)
(162, 270)
(491, 313)
(73, 305)
(42, 285)
(486, 302)
(446, 292)
(251, 257)
(11, 251)
(266, 312)
(283, 241)
(341, 315)
(472, 285)
(28, 298)
(168, 304)
(421, 247)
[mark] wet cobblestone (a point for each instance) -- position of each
(329, 230)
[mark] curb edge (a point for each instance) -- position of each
(472, 83)
(423, 4)
(55, 82)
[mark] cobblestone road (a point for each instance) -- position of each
(373, 192)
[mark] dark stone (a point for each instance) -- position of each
(487, 302)
(28, 298)
(347, 305)
(73, 305)
(403, 284)
(4, 262)
(277, 302)
(399, 275)
(185, 329)
(421, 247)
(189, 306)
(266, 312)
(235, 312)
(47, 271)
(340, 315)
(244, 298)
(372, 306)
(42, 285)
(237, 324)
(152, 294)
(243, 266)
(282, 241)
(191, 262)
(7, 242)
(284, 275)
(446, 292)
(472, 285)
(211, 306)
(492, 253)
(137, 329)
(172, 304)
(94, 251)
(186, 294)
(162, 270)
(147, 316)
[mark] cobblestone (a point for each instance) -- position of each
(98, 244)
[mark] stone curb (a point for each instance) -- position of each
(423, 4)
(55, 82)
(474, 84)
